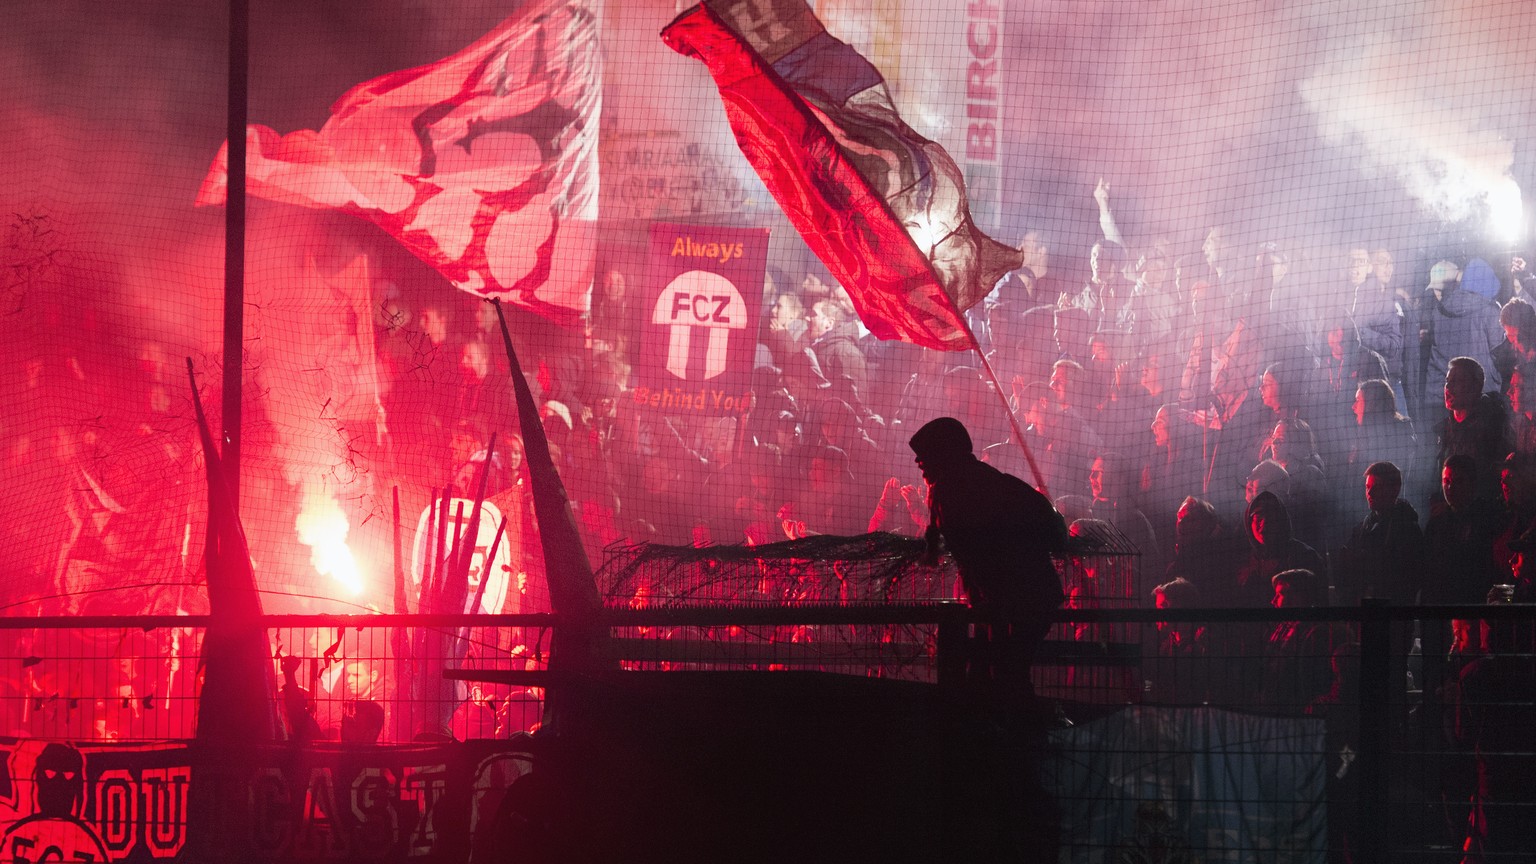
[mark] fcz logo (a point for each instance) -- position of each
(699, 300)
(700, 304)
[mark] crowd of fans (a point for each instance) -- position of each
(1233, 415)
(1265, 425)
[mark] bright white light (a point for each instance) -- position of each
(1506, 212)
(924, 233)
(323, 527)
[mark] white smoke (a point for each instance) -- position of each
(1414, 101)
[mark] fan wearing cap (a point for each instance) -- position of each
(1267, 476)
(1002, 534)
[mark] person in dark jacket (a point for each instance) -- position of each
(1179, 672)
(1385, 552)
(1459, 567)
(1496, 720)
(1205, 552)
(1299, 671)
(1477, 426)
(1384, 560)
(1459, 318)
(835, 342)
(1273, 548)
(1003, 535)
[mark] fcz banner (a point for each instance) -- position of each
(699, 319)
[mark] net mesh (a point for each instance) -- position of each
(1250, 231)
(366, 370)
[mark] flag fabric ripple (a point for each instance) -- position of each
(484, 164)
(884, 208)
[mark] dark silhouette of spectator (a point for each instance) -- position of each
(1272, 549)
(1386, 548)
(1459, 570)
(1517, 490)
(1381, 433)
(1003, 536)
(1383, 559)
(1179, 673)
(362, 722)
(1518, 318)
(1496, 720)
(1298, 658)
(1477, 425)
(1205, 553)
(1522, 404)
(298, 705)
(1292, 445)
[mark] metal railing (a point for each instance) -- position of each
(1383, 749)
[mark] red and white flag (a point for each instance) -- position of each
(884, 208)
(483, 164)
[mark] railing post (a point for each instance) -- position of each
(951, 647)
(1375, 726)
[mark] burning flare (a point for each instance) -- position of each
(323, 527)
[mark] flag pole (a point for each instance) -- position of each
(1013, 420)
(234, 245)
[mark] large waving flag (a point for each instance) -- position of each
(483, 164)
(883, 207)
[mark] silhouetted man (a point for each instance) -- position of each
(1002, 534)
